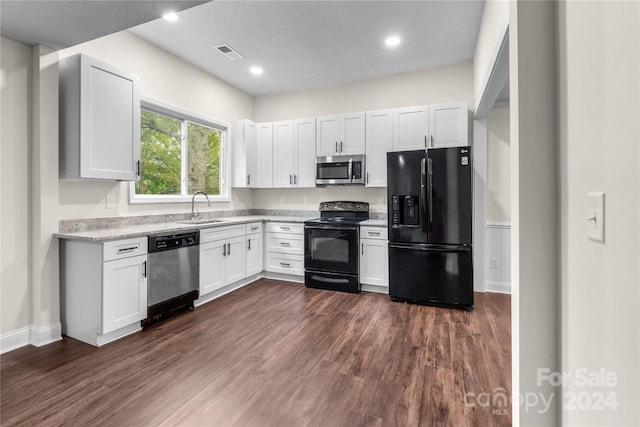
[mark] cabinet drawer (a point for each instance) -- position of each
(218, 233)
(285, 227)
(373, 233)
(285, 263)
(126, 248)
(285, 243)
(254, 227)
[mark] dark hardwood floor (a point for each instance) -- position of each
(277, 354)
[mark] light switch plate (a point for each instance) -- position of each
(595, 216)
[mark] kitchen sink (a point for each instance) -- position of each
(201, 221)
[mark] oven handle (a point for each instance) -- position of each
(329, 227)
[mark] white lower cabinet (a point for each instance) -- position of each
(103, 288)
(222, 257)
(374, 257)
(284, 251)
(124, 292)
(255, 249)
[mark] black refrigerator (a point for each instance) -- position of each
(430, 217)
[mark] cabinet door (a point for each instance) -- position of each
(374, 262)
(352, 133)
(283, 153)
(265, 156)
(211, 267)
(251, 146)
(109, 122)
(410, 128)
(124, 292)
(244, 154)
(304, 135)
(327, 135)
(448, 125)
(379, 135)
(254, 256)
(234, 261)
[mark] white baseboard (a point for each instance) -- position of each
(375, 288)
(498, 287)
(34, 335)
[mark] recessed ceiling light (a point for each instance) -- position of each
(392, 41)
(256, 71)
(170, 16)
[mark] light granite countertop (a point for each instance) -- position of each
(169, 227)
(374, 223)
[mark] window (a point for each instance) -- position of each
(180, 154)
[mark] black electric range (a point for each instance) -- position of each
(331, 258)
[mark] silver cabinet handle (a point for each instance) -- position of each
(367, 177)
(431, 141)
(249, 243)
(285, 228)
(285, 244)
(129, 249)
(254, 228)
(336, 146)
(295, 178)
(373, 233)
(425, 141)
(290, 179)
(138, 168)
(285, 264)
(341, 146)
(224, 249)
(228, 248)
(144, 267)
(362, 248)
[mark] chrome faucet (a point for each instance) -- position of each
(194, 212)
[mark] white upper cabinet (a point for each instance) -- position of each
(283, 153)
(379, 138)
(243, 148)
(99, 121)
(294, 153)
(430, 126)
(265, 155)
(410, 128)
(304, 140)
(448, 125)
(340, 135)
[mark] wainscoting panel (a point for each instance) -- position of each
(498, 258)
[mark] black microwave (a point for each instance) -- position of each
(340, 170)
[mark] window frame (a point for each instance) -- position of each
(184, 116)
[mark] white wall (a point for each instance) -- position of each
(445, 84)
(599, 46)
(495, 20)
(535, 252)
(498, 186)
(170, 80)
(15, 83)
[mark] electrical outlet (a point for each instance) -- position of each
(495, 263)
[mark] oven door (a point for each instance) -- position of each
(329, 248)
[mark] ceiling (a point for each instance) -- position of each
(61, 24)
(299, 44)
(306, 44)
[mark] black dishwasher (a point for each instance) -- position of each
(173, 275)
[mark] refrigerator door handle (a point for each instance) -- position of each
(430, 189)
(423, 196)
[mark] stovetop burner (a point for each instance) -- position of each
(341, 212)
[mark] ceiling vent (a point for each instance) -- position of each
(228, 52)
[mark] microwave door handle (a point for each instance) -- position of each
(350, 170)
(423, 195)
